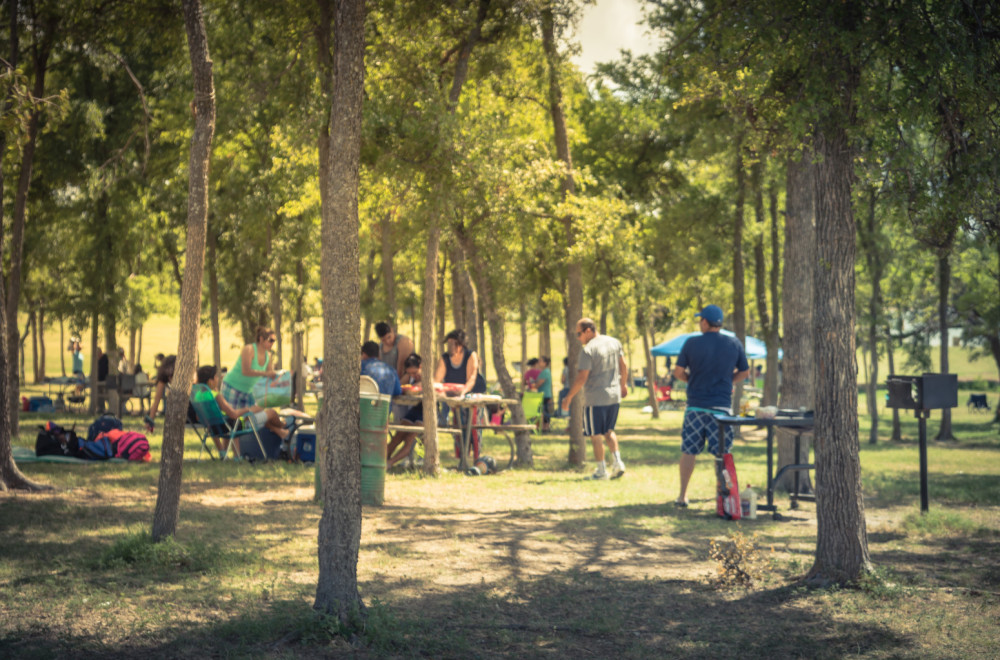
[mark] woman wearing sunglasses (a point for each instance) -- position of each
(254, 363)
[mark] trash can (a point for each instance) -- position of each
(374, 428)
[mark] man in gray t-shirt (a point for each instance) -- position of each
(600, 374)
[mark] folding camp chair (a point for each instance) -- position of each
(532, 403)
(211, 417)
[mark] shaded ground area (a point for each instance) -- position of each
(465, 571)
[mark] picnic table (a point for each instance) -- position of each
(473, 403)
(64, 388)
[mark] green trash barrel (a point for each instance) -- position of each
(374, 428)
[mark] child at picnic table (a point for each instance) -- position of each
(269, 418)
(401, 444)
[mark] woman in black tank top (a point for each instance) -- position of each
(466, 371)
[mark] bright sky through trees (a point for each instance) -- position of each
(606, 28)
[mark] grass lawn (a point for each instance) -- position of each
(528, 563)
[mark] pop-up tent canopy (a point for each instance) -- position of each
(755, 348)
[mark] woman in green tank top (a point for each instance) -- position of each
(254, 363)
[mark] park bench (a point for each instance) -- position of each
(506, 431)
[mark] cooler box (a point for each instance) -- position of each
(37, 402)
(305, 444)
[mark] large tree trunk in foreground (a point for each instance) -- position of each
(167, 512)
(798, 389)
(841, 540)
(339, 419)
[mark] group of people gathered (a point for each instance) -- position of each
(232, 390)
(396, 369)
(710, 364)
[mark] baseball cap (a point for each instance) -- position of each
(712, 314)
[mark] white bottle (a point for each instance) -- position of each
(748, 502)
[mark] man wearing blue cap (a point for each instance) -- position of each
(709, 364)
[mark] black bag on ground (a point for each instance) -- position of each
(54, 440)
(103, 424)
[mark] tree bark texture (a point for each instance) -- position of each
(427, 348)
(798, 388)
(213, 299)
(650, 364)
(167, 512)
(772, 337)
(739, 286)
(574, 298)
(388, 274)
(944, 282)
(20, 214)
(868, 241)
(760, 267)
(524, 456)
(339, 419)
(842, 541)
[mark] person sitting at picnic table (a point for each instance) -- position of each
(460, 366)
(393, 348)
(253, 364)
(262, 418)
(401, 444)
(383, 375)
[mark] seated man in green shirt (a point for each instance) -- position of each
(269, 418)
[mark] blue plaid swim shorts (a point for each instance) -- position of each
(700, 426)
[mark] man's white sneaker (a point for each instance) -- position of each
(618, 471)
(599, 475)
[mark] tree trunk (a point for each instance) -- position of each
(388, 275)
(427, 345)
(96, 401)
(524, 457)
(339, 419)
(760, 267)
(574, 299)
(41, 346)
(544, 333)
(213, 298)
(62, 342)
(890, 349)
(944, 282)
(869, 243)
(798, 388)
(644, 328)
(481, 320)
(523, 313)
(739, 299)
(167, 511)
(41, 58)
(298, 336)
(772, 338)
(842, 541)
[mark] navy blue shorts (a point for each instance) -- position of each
(415, 414)
(701, 426)
(598, 420)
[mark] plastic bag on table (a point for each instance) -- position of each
(275, 392)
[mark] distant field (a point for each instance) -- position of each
(160, 335)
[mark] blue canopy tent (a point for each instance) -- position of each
(755, 348)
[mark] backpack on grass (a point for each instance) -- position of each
(54, 440)
(103, 424)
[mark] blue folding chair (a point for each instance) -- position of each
(211, 417)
